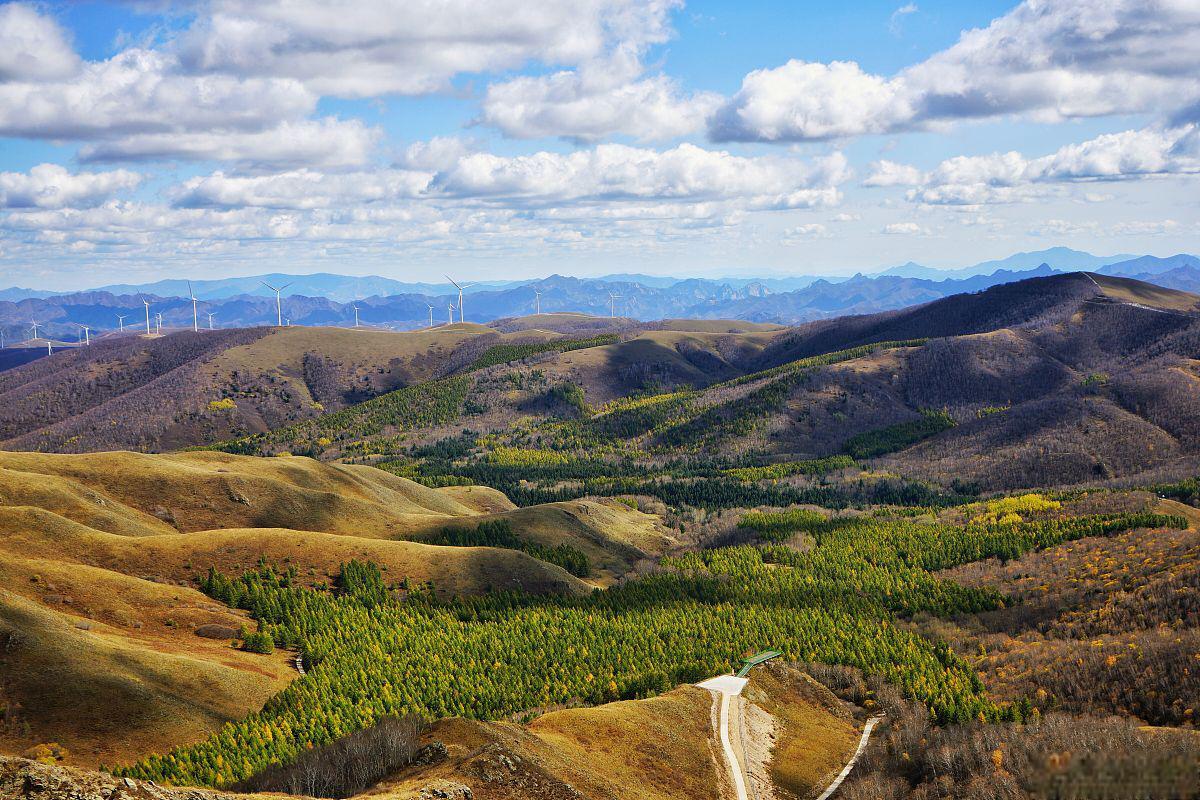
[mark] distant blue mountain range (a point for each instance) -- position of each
(326, 298)
(344, 288)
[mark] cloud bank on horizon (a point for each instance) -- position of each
(513, 138)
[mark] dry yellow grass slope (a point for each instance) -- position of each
(663, 748)
(657, 749)
(410, 355)
(232, 507)
(284, 348)
(203, 490)
(110, 694)
(815, 734)
(99, 554)
(721, 326)
(179, 557)
(1147, 294)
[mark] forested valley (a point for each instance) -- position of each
(977, 521)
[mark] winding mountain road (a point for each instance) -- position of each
(862, 745)
(726, 687)
(723, 688)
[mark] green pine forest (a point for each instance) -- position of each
(373, 646)
(835, 562)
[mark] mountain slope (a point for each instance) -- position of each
(664, 747)
(108, 649)
(154, 512)
(996, 307)
(1049, 381)
(108, 692)
(190, 388)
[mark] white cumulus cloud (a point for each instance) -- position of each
(806, 100)
(890, 173)
(300, 189)
(142, 104)
(32, 46)
(362, 49)
(324, 143)
(139, 91)
(53, 186)
(590, 105)
(1012, 177)
(618, 172)
(1046, 59)
(903, 229)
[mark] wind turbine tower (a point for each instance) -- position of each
(35, 327)
(158, 322)
(450, 313)
(612, 305)
(430, 315)
(87, 333)
(121, 321)
(538, 299)
(461, 318)
(355, 307)
(210, 316)
(278, 302)
(146, 303)
(195, 319)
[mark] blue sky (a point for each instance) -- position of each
(514, 139)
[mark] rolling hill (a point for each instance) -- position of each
(108, 649)
(188, 388)
(1049, 381)
(523, 511)
(1056, 379)
(663, 747)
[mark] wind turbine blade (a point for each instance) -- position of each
(456, 286)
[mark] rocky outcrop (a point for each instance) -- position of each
(445, 790)
(22, 779)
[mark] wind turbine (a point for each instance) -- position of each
(86, 333)
(430, 315)
(612, 304)
(461, 318)
(538, 299)
(210, 316)
(195, 320)
(158, 322)
(355, 307)
(278, 302)
(146, 303)
(121, 321)
(450, 313)
(35, 327)
(2, 344)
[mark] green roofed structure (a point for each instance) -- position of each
(756, 659)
